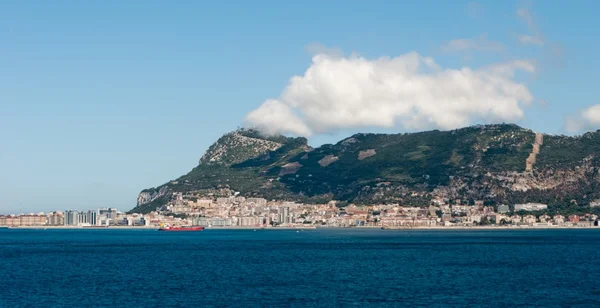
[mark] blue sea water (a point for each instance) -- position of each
(312, 268)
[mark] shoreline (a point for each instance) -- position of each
(435, 228)
(492, 228)
(148, 228)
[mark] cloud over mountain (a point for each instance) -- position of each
(588, 118)
(410, 91)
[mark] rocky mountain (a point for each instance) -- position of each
(239, 146)
(495, 163)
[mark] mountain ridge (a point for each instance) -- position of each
(498, 163)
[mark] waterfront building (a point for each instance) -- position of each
(92, 217)
(586, 223)
(212, 221)
(545, 218)
(283, 215)
(55, 219)
(249, 221)
(221, 222)
(529, 219)
(83, 219)
(515, 219)
(201, 221)
(558, 219)
(77, 218)
(32, 220)
(475, 218)
(23, 220)
(574, 218)
(498, 218)
(71, 218)
(13, 221)
(109, 213)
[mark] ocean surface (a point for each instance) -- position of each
(310, 268)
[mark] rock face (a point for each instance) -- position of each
(495, 163)
(150, 199)
(238, 146)
(290, 168)
(365, 154)
(150, 195)
(328, 160)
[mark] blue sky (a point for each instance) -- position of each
(100, 99)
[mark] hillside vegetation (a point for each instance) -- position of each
(479, 162)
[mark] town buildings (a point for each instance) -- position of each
(236, 211)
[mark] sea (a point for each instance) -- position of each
(300, 268)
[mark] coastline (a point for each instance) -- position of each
(491, 228)
(151, 228)
(79, 228)
(436, 228)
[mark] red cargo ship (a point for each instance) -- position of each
(181, 229)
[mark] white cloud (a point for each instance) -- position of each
(275, 117)
(410, 91)
(508, 69)
(535, 38)
(480, 43)
(588, 118)
(592, 115)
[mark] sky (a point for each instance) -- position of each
(101, 99)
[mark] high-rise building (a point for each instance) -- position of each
(83, 218)
(71, 218)
(92, 217)
(283, 215)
